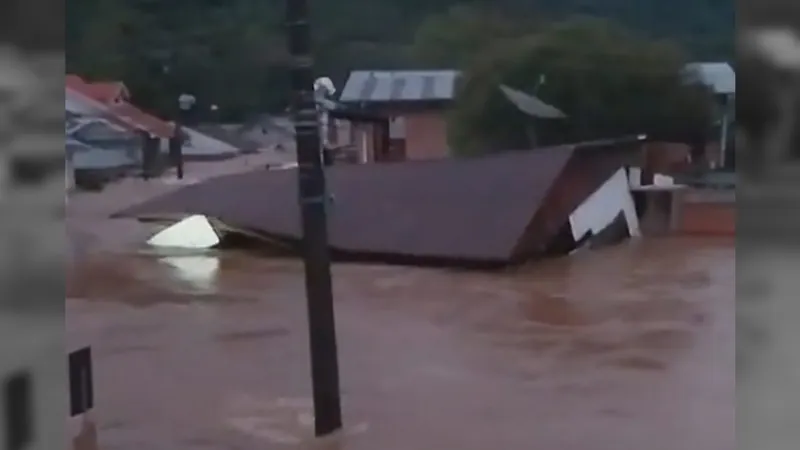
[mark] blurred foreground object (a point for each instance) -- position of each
(87, 437)
(767, 108)
(33, 25)
(32, 388)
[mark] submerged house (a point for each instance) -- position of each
(111, 101)
(493, 210)
(99, 150)
(414, 102)
(90, 166)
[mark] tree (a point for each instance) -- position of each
(608, 81)
(452, 39)
(230, 52)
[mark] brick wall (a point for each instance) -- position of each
(717, 218)
(426, 136)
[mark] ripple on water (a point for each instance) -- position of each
(608, 343)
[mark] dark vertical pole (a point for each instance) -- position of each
(313, 203)
(147, 157)
(180, 136)
(176, 149)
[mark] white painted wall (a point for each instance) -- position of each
(601, 208)
(635, 178)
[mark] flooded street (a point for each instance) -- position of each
(623, 348)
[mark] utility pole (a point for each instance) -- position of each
(313, 204)
(176, 148)
(185, 104)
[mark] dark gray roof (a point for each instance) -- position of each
(399, 86)
(531, 105)
(499, 208)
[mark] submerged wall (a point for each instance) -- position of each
(600, 209)
(710, 212)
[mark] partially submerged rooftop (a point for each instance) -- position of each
(496, 209)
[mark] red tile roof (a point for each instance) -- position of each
(110, 91)
(113, 94)
(144, 121)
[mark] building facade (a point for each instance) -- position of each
(414, 102)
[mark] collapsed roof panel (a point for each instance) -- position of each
(474, 209)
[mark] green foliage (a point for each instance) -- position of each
(608, 81)
(228, 54)
(231, 52)
(451, 39)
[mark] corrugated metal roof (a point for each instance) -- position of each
(719, 76)
(399, 86)
(531, 105)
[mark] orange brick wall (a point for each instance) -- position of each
(426, 136)
(717, 218)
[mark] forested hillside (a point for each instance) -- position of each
(231, 52)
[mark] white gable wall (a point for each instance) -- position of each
(601, 208)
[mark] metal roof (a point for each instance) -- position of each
(531, 105)
(719, 76)
(399, 86)
(487, 209)
(91, 129)
(229, 137)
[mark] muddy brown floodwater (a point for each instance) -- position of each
(630, 347)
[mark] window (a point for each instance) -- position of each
(397, 127)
